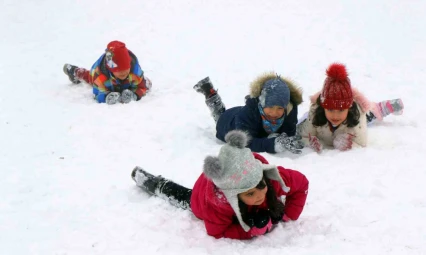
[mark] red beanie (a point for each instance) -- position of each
(337, 92)
(117, 56)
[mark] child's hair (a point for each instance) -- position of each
(319, 118)
(275, 206)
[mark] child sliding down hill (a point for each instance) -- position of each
(116, 77)
(238, 195)
(339, 114)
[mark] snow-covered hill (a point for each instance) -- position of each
(65, 161)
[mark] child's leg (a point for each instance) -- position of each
(384, 108)
(176, 194)
(82, 74)
(216, 106)
(76, 74)
(213, 100)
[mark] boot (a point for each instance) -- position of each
(69, 70)
(215, 105)
(147, 181)
(384, 108)
(205, 87)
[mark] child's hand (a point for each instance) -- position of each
(127, 96)
(343, 142)
(315, 143)
(262, 223)
(291, 143)
(113, 98)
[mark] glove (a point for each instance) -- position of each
(277, 219)
(127, 96)
(315, 143)
(284, 142)
(262, 223)
(343, 142)
(112, 98)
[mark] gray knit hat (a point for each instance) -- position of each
(235, 170)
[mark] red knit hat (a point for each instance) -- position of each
(117, 56)
(337, 92)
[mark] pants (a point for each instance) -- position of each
(82, 74)
(176, 194)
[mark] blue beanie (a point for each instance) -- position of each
(274, 92)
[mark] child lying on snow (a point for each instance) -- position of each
(239, 195)
(339, 114)
(116, 76)
(269, 114)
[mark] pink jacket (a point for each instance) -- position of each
(209, 204)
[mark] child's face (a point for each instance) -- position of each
(253, 196)
(336, 117)
(273, 113)
(121, 74)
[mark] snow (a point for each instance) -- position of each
(65, 161)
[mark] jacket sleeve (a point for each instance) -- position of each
(222, 225)
(360, 132)
(99, 89)
(296, 197)
(141, 87)
(306, 128)
(246, 120)
(140, 84)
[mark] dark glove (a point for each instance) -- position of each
(277, 219)
(262, 223)
(261, 218)
(291, 143)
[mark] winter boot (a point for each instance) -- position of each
(70, 71)
(215, 105)
(147, 181)
(384, 108)
(205, 87)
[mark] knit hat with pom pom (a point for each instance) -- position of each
(235, 170)
(117, 57)
(337, 92)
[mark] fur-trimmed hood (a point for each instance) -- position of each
(257, 85)
(359, 98)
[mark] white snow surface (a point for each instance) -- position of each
(65, 160)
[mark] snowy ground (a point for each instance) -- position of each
(65, 161)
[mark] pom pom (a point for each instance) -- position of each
(337, 72)
(237, 138)
(212, 168)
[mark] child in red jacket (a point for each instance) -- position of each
(238, 195)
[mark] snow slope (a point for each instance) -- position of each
(65, 161)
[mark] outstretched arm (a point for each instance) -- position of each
(296, 197)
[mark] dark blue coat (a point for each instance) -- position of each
(248, 118)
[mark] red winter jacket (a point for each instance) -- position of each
(209, 204)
